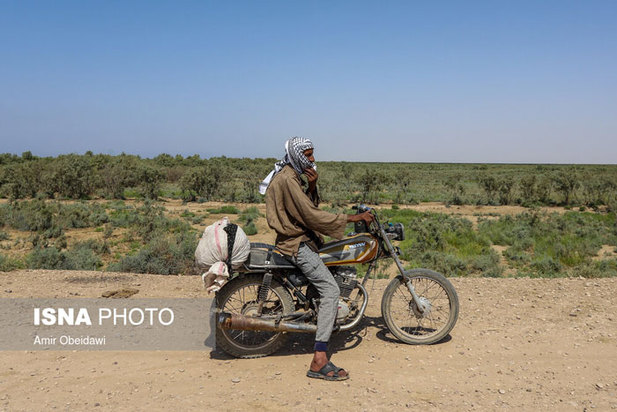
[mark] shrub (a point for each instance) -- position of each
(35, 215)
(551, 245)
(528, 189)
(150, 180)
(249, 214)
(45, 258)
(51, 218)
(20, 180)
(490, 186)
(80, 257)
(162, 255)
(371, 181)
(53, 232)
(8, 264)
(455, 186)
(118, 174)
(73, 176)
(250, 228)
(83, 256)
(547, 267)
(225, 210)
(487, 265)
(204, 182)
(598, 269)
(567, 181)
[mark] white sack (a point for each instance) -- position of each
(211, 254)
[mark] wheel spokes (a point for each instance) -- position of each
(406, 316)
(245, 302)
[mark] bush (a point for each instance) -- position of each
(45, 258)
(551, 245)
(51, 218)
(250, 228)
(225, 210)
(83, 256)
(205, 182)
(445, 243)
(8, 264)
(487, 265)
(164, 256)
(150, 180)
(35, 216)
(73, 176)
(599, 269)
(547, 267)
(249, 214)
(20, 180)
(119, 173)
(566, 182)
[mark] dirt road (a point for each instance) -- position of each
(523, 344)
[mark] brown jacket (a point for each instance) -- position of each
(290, 212)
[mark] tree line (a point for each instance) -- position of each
(193, 178)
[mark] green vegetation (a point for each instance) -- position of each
(83, 256)
(447, 244)
(143, 238)
(235, 180)
(50, 198)
(7, 264)
(157, 243)
(248, 218)
(537, 244)
(225, 210)
(165, 255)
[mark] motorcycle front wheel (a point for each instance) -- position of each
(240, 296)
(407, 321)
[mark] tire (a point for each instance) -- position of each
(239, 296)
(404, 319)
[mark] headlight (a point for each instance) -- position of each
(396, 229)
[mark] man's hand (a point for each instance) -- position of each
(311, 176)
(366, 216)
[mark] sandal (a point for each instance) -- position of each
(323, 373)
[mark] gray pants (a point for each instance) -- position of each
(318, 274)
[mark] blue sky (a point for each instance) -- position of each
(473, 81)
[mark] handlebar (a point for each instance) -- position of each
(376, 227)
(373, 227)
(362, 208)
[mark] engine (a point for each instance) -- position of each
(345, 276)
(343, 311)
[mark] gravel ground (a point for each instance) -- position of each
(523, 344)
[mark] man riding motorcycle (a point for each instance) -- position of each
(293, 213)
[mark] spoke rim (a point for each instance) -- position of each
(420, 327)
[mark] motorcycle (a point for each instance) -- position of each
(269, 296)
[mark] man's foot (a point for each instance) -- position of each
(320, 364)
(329, 372)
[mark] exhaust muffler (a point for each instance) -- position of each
(239, 322)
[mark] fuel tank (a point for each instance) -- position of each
(359, 248)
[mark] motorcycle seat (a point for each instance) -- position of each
(265, 256)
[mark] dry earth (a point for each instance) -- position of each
(522, 344)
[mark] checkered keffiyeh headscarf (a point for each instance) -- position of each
(294, 156)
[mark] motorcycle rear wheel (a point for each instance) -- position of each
(240, 296)
(403, 317)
